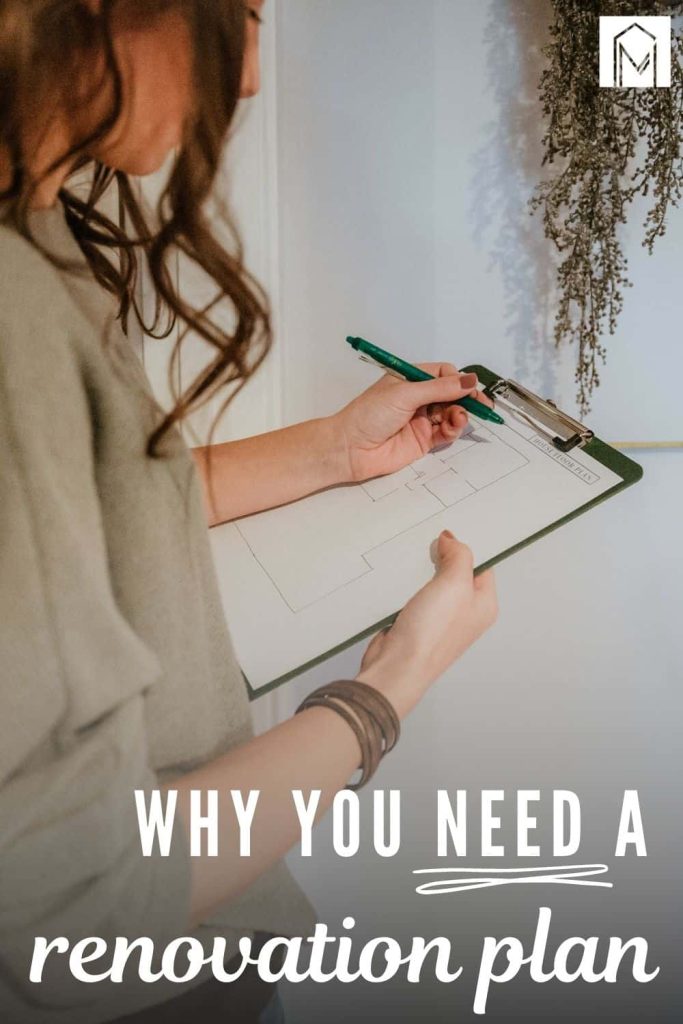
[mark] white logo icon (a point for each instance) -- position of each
(635, 52)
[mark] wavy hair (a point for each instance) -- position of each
(41, 42)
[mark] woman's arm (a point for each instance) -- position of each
(382, 430)
(242, 477)
(313, 750)
(317, 749)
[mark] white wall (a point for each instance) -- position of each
(409, 147)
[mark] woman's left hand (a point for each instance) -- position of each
(395, 422)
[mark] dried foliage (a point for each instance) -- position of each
(608, 147)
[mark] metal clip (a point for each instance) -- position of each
(543, 415)
(385, 369)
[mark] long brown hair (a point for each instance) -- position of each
(40, 44)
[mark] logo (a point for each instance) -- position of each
(635, 52)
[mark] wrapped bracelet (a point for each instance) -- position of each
(370, 715)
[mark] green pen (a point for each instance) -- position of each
(414, 374)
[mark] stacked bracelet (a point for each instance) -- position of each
(370, 715)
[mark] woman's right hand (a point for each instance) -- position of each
(436, 626)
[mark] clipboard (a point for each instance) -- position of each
(248, 553)
(565, 434)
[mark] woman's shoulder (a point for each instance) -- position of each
(44, 377)
(31, 285)
(41, 327)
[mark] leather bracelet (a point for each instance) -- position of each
(369, 714)
(376, 704)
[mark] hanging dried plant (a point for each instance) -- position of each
(608, 146)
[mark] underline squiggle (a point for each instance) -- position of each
(567, 874)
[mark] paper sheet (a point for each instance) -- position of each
(300, 580)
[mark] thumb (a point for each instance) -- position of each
(454, 558)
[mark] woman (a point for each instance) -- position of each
(118, 674)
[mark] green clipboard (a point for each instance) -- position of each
(629, 471)
(564, 432)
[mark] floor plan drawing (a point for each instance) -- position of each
(312, 575)
(341, 531)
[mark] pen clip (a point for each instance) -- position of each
(384, 369)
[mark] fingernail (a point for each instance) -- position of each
(447, 533)
(468, 380)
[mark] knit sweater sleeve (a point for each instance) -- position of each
(73, 744)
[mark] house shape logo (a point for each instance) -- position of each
(635, 53)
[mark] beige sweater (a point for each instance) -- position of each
(117, 670)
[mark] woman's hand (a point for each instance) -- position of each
(391, 424)
(433, 630)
